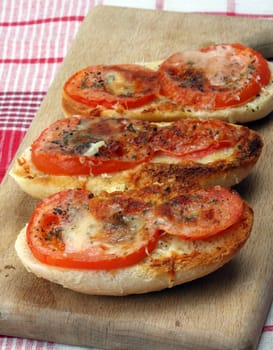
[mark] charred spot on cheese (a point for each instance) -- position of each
(76, 140)
(91, 79)
(94, 148)
(209, 147)
(255, 146)
(190, 78)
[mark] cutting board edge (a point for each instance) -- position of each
(132, 337)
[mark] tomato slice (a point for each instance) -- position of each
(92, 146)
(199, 214)
(84, 146)
(192, 138)
(129, 85)
(216, 77)
(71, 229)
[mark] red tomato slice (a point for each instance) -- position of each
(192, 138)
(71, 229)
(84, 146)
(217, 77)
(129, 85)
(199, 214)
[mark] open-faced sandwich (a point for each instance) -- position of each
(133, 242)
(135, 180)
(110, 154)
(231, 82)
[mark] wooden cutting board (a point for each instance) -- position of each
(225, 310)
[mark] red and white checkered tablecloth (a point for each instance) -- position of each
(34, 39)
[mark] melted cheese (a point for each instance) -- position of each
(117, 84)
(217, 155)
(151, 65)
(94, 148)
(219, 64)
(83, 231)
(78, 235)
(213, 157)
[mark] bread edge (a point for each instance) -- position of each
(153, 273)
(253, 110)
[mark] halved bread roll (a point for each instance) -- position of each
(174, 261)
(165, 109)
(225, 167)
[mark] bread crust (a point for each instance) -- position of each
(173, 262)
(164, 109)
(226, 171)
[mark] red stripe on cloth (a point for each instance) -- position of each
(15, 121)
(268, 328)
(32, 60)
(20, 108)
(18, 118)
(13, 126)
(21, 95)
(9, 93)
(237, 14)
(231, 8)
(251, 15)
(17, 124)
(6, 105)
(43, 20)
(159, 5)
(9, 143)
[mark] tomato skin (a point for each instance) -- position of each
(200, 214)
(120, 229)
(92, 86)
(196, 138)
(60, 149)
(191, 84)
(74, 165)
(45, 233)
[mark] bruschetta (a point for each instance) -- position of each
(133, 242)
(231, 82)
(110, 154)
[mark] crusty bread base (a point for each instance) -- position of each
(173, 262)
(164, 109)
(225, 172)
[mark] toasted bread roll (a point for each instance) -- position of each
(173, 262)
(225, 167)
(164, 108)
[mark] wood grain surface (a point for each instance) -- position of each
(224, 310)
